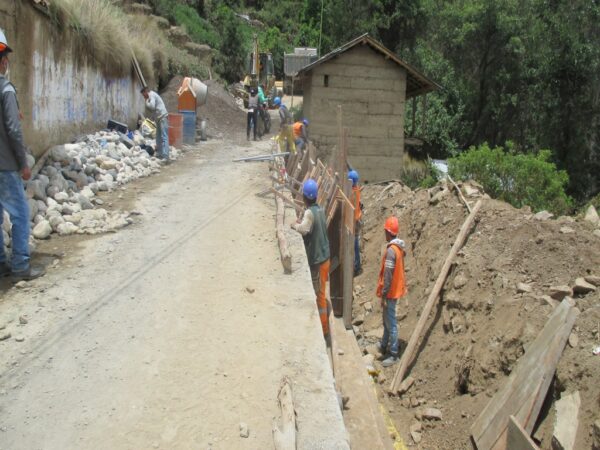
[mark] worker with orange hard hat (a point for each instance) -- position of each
(391, 286)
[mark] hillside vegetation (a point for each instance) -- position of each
(522, 75)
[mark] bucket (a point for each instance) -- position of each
(189, 127)
(175, 129)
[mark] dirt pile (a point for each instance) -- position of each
(225, 118)
(495, 301)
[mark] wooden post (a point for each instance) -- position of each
(348, 257)
(336, 282)
(413, 128)
(408, 354)
(292, 105)
(284, 251)
(424, 117)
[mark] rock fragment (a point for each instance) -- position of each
(244, 430)
(582, 287)
(560, 292)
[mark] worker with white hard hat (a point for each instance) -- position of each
(13, 170)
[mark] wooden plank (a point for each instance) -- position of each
(566, 422)
(362, 417)
(408, 354)
(284, 432)
(332, 211)
(287, 200)
(284, 251)
(523, 393)
(518, 438)
(348, 258)
(524, 377)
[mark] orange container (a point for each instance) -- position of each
(187, 101)
(175, 129)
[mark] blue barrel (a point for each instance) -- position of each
(189, 126)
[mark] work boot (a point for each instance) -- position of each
(389, 361)
(4, 270)
(31, 273)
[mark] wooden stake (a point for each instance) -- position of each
(459, 193)
(348, 256)
(298, 208)
(408, 354)
(284, 251)
(284, 434)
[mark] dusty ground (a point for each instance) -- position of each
(480, 307)
(173, 331)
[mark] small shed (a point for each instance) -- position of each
(372, 85)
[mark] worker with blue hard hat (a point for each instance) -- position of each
(313, 228)
(353, 176)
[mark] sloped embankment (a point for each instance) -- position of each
(495, 301)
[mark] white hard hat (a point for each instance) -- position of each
(4, 43)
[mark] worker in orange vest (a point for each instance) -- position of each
(313, 228)
(301, 134)
(353, 176)
(391, 286)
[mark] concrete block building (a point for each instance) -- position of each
(372, 85)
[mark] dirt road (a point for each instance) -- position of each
(173, 331)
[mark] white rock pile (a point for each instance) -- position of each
(62, 196)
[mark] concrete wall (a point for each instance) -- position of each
(61, 92)
(372, 93)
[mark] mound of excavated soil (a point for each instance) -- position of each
(482, 324)
(225, 118)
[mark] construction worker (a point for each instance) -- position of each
(156, 106)
(313, 228)
(391, 286)
(300, 129)
(353, 176)
(252, 115)
(285, 138)
(13, 170)
(262, 99)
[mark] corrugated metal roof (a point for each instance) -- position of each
(416, 82)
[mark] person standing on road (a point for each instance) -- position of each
(301, 134)
(391, 286)
(353, 176)
(313, 228)
(158, 110)
(252, 115)
(13, 169)
(285, 128)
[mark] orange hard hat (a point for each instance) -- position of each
(391, 225)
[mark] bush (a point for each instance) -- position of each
(519, 179)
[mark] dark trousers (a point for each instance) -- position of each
(252, 119)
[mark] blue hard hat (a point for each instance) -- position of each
(310, 189)
(277, 101)
(353, 175)
(305, 122)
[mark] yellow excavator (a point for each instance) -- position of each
(260, 70)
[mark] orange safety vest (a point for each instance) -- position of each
(298, 129)
(357, 210)
(398, 287)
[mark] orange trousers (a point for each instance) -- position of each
(320, 275)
